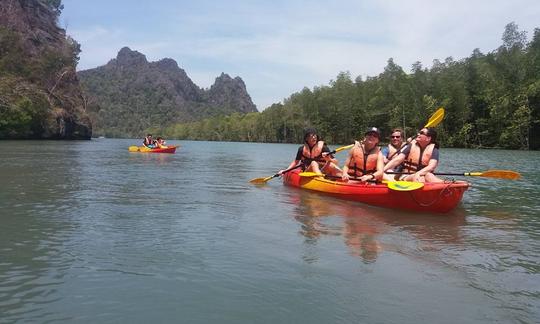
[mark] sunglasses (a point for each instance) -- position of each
(399, 136)
(422, 133)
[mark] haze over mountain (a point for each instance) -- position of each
(129, 95)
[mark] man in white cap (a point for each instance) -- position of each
(365, 161)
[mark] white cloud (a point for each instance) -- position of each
(281, 47)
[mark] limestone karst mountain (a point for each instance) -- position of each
(130, 94)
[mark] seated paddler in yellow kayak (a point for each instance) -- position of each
(160, 143)
(149, 141)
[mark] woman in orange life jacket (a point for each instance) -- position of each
(149, 141)
(365, 161)
(314, 157)
(420, 158)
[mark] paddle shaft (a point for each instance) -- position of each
(339, 149)
(289, 169)
(498, 174)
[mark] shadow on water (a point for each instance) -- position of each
(369, 231)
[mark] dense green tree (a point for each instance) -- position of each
(491, 100)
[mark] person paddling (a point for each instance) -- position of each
(314, 156)
(149, 141)
(160, 143)
(365, 161)
(419, 158)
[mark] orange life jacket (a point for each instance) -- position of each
(361, 162)
(393, 152)
(418, 158)
(147, 141)
(313, 154)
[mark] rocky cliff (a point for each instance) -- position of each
(40, 96)
(130, 94)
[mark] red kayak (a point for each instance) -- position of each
(432, 197)
(144, 149)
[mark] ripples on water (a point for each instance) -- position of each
(92, 233)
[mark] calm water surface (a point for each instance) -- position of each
(90, 233)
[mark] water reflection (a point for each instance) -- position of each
(151, 158)
(37, 205)
(89, 226)
(369, 231)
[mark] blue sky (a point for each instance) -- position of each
(279, 47)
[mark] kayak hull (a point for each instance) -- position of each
(144, 149)
(433, 197)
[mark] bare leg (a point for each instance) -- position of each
(332, 169)
(430, 177)
(413, 177)
(314, 167)
(389, 177)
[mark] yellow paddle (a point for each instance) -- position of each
(436, 118)
(394, 185)
(339, 149)
(497, 174)
(433, 121)
(403, 185)
(133, 149)
(266, 179)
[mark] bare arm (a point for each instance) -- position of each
(427, 169)
(394, 162)
(328, 158)
(292, 165)
(378, 175)
(345, 173)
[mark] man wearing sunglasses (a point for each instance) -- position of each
(396, 144)
(420, 158)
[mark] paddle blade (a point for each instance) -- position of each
(404, 185)
(260, 180)
(502, 174)
(436, 118)
(310, 174)
(133, 149)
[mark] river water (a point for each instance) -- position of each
(91, 233)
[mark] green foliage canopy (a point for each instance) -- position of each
(491, 100)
